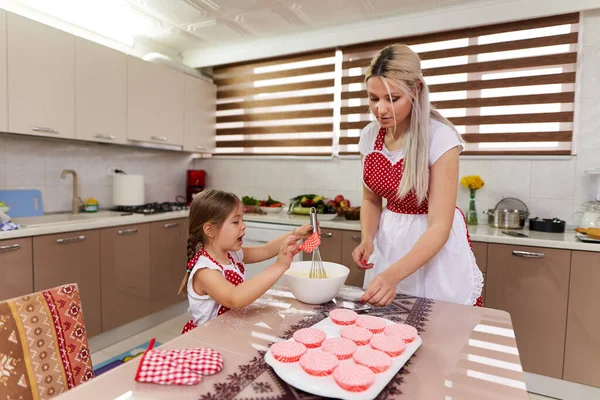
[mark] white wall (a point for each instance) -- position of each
(551, 188)
(36, 163)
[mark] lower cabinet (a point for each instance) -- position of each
(350, 240)
(72, 257)
(168, 261)
(125, 260)
(582, 350)
(532, 284)
(16, 268)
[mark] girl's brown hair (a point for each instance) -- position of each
(209, 207)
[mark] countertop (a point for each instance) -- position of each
(455, 360)
(480, 233)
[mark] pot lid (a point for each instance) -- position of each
(511, 204)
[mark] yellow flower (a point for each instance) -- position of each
(473, 182)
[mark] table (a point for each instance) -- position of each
(467, 353)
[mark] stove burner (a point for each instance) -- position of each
(153, 208)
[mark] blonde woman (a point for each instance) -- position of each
(419, 245)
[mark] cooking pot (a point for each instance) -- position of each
(510, 213)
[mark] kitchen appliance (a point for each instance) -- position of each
(509, 213)
(554, 225)
(128, 190)
(153, 208)
(196, 182)
(590, 216)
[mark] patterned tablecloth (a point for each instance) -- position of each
(467, 352)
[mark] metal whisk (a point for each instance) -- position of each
(317, 271)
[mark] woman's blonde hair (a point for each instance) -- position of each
(397, 65)
(209, 207)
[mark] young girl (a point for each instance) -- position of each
(419, 245)
(214, 281)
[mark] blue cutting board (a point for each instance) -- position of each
(23, 203)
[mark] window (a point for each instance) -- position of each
(508, 88)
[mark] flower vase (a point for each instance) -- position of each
(472, 210)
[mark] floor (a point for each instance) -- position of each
(113, 343)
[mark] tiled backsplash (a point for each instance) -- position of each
(37, 163)
(551, 188)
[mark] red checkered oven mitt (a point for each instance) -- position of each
(311, 243)
(177, 367)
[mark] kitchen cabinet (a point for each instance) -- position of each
(125, 266)
(331, 245)
(3, 74)
(350, 240)
(16, 268)
(532, 284)
(101, 93)
(71, 257)
(200, 115)
(168, 260)
(155, 103)
(41, 72)
(582, 350)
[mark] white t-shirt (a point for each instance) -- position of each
(203, 308)
(441, 139)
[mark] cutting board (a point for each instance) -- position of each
(23, 203)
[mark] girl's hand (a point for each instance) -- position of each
(288, 250)
(361, 254)
(303, 232)
(381, 291)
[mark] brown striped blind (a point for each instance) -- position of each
(508, 88)
(283, 106)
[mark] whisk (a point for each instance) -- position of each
(317, 271)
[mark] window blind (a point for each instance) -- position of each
(277, 107)
(508, 88)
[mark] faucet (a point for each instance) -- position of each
(76, 201)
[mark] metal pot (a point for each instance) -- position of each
(507, 219)
(510, 213)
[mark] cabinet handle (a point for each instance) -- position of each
(44, 129)
(124, 232)
(172, 225)
(70, 240)
(527, 254)
(106, 137)
(356, 238)
(327, 235)
(10, 247)
(160, 138)
(201, 148)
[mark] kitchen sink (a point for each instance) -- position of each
(65, 218)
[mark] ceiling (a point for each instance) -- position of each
(176, 27)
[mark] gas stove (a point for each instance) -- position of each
(153, 208)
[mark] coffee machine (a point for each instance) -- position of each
(196, 181)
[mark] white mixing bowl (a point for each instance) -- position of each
(315, 291)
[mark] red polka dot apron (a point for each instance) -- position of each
(234, 275)
(382, 177)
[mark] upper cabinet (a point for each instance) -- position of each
(101, 93)
(155, 103)
(3, 75)
(200, 115)
(41, 72)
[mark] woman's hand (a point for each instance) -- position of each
(361, 254)
(288, 250)
(303, 231)
(381, 291)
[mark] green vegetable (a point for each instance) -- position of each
(250, 201)
(271, 201)
(3, 204)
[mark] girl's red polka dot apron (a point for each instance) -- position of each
(401, 225)
(234, 275)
